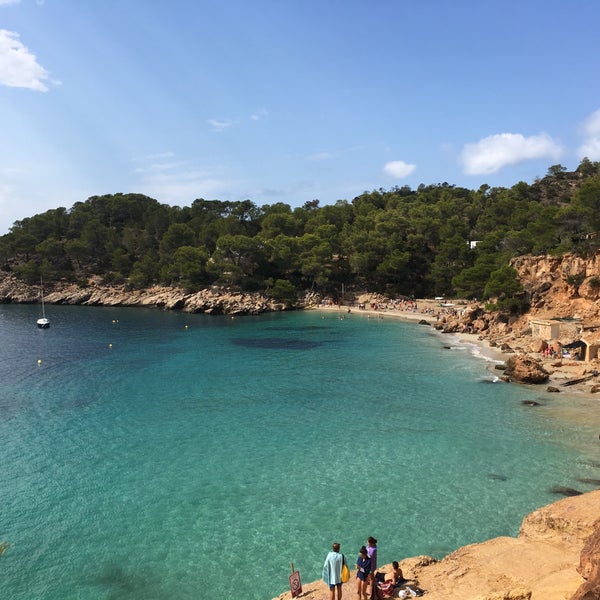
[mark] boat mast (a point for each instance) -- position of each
(42, 294)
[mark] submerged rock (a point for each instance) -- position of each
(564, 491)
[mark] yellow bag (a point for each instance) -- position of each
(345, 572)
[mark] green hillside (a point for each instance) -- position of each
(431, 241)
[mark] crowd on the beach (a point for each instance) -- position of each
(405, 305)
(336, 571)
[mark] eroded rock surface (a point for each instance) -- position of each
(524, 369)
(212, 300)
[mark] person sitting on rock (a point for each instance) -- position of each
(396, 576)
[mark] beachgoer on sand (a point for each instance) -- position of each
(332, 571)
(363, 573)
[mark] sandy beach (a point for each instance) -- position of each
(425, 310)
(431, 311)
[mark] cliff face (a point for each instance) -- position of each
(210, 301)
(542, 563)
(562, 286)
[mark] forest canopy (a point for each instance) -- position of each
(437, 240)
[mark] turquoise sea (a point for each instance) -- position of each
(166, 456)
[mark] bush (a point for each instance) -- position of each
(283, 291)
(594, 282)
(575, 280)
(515, 305)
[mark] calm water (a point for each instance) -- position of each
(155, 455)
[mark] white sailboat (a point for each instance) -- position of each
(43, 322)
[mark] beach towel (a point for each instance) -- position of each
(332, 569)
(387, 589)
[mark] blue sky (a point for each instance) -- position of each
(289, 100)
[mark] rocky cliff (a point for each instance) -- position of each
(565, 286)
(562, 288)
(210, 300)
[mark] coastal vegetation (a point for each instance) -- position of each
(436, 240)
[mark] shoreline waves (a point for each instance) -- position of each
(479, 345)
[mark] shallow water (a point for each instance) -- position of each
(152, 454)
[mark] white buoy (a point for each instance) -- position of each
(110, 345)
(39, 361)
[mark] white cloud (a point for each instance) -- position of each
(399, 169)
(591, 131)
(18, 66)
(494, 152)
(592, 124)
(7, 2)
(219, 125)
(157, 156)
(259, 114)
(158, 167)
(179, 181)
(319, 156)
(590, 149)
(183, 188)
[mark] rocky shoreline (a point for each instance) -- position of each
(510, 337)
(213, 300)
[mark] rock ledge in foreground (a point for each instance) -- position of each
(556, 556)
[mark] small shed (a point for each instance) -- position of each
(545, 329)
(591, 339)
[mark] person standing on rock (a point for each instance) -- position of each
(332, 571)
(372, 553)
(363, 574)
